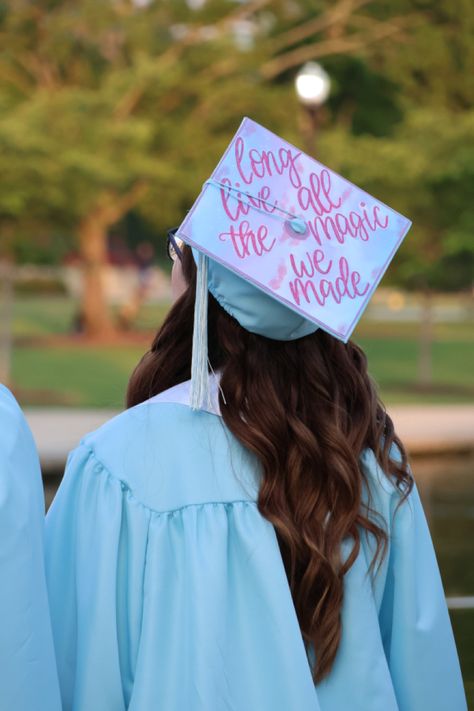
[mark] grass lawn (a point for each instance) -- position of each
(96, 376)
(76, 377)
(392, 350)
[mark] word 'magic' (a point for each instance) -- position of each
(295, 229)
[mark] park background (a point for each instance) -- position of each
(112, 115)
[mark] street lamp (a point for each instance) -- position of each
(312, 86)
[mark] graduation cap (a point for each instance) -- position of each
(284, 244)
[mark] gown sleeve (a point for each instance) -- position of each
(95, 557)
(28, 675)
(415, 625)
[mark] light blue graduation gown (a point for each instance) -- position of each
(28, 676)
(168, 589)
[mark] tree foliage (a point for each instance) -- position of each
(113, 106)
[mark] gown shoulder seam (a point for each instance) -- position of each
(100, 469)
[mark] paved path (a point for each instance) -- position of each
(58, 430)
(424, 430)
(435, 429)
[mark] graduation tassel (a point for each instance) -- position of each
(200, 390)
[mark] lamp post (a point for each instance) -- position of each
(312, 86)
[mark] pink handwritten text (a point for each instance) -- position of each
(246, 242)
(266, 163)
(317, 196)
(237, 204)
(355, 225)
(313, 264)
(344, 285)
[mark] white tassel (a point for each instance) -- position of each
(200, 389)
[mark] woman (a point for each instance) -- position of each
(267, 552)
(28, 676)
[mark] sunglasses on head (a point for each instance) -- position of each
(174, 245)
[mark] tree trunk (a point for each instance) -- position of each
(92, 238)
(95, 314)
(6, 319)
(425, 358)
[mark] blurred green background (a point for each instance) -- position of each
(52, 367)
(112, 115)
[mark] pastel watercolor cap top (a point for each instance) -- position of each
(284, 244)
(255, 310)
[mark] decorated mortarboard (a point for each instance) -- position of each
(285, 244)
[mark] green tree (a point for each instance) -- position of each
(111, 106)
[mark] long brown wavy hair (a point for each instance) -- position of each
(307, 409)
